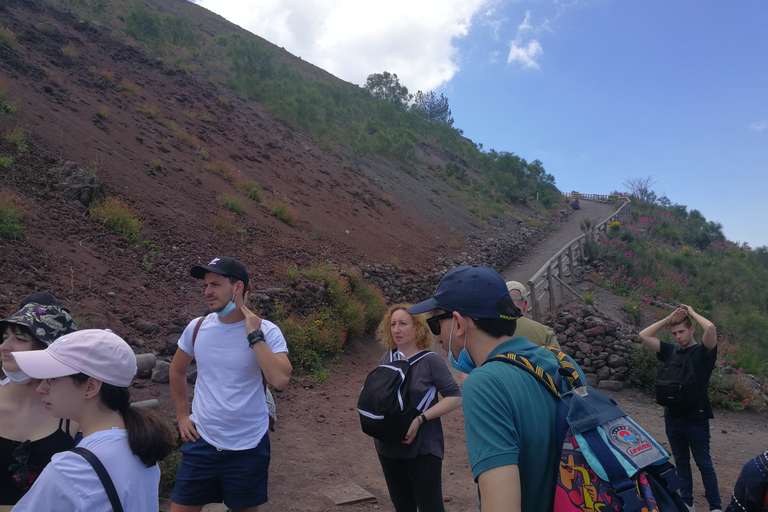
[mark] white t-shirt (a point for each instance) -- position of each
(70, 484)
(229, 409)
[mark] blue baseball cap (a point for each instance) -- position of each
(477, 292)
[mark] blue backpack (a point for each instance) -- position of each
(607, 462)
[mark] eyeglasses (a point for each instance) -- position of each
(434, 322)
(23, 474)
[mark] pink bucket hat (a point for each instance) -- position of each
(98, 353)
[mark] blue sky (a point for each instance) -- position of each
(598, 90)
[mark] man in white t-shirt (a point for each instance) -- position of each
(227, 454)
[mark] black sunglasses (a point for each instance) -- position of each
(22, 473)
(434, 322)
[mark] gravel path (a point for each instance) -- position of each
(533, 259)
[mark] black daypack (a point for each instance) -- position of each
(676, 381)
(386, 411)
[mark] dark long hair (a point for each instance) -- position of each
(149, 437)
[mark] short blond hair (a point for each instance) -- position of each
(423, 334)
(679, 317)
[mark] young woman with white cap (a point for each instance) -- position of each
(29, 436)
(87, 374)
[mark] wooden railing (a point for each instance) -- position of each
(599, 198)
(556, 276)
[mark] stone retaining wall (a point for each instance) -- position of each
(601, 347)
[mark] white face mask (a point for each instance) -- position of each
(17, 377)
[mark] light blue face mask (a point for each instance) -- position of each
(464, 364)
(230, 307)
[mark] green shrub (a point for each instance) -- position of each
(6, 161)
(250, 189)
(148, 110)
(70, 51)
(6, 106)
(7, 37)
(351, 306)
(18, 137)
(118, 217)
(223, 169)
(10, 215)
(731, 391)
(284, 213)
(231, 203)
(225, 222)
(129, 87)
(643, 368)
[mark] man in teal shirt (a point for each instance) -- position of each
(509, 416)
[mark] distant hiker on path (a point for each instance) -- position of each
(226, 458)
(509, 416)
(413, 468)
(687, 409)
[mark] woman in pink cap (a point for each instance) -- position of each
(29, 436)
(86, 378)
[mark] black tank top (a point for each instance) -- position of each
(40, 455)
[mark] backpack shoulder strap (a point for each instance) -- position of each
(101, 471)
(521, 362)
(197, 329)
(418, 356)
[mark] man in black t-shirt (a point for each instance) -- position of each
(687, 426)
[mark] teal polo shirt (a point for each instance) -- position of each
(509, 418)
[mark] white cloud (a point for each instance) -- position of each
(759, 126)
(525, 26)
(353, 38)
(525, 55)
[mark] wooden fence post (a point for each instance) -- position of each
(551, 286)
(560, 275)
(535, 301)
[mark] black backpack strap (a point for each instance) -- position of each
(101, 471)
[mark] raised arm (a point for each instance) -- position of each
(276, 367)
(648, 335)
(709, 338)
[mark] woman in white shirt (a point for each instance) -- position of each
(87, 374)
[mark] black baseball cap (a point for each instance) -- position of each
(222, 265)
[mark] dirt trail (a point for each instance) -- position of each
(318, 442)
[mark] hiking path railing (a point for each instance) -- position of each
(557, 277)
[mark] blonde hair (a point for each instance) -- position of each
(679, 317)
(423, 334)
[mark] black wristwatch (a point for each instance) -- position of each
(255, 337)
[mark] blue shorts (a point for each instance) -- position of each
(208, 475)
